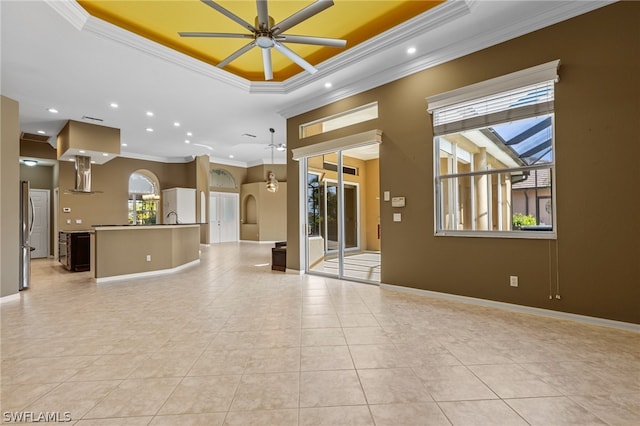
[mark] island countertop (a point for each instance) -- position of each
(150, 226)
(128, 251)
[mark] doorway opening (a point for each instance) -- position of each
(342, 213)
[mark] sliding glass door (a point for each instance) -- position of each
(342, 223)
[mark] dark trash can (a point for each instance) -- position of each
(279, 256)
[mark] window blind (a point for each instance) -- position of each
(516, 104)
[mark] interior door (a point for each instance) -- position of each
(223, 217)
(40, 214)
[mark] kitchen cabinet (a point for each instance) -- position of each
(75, 250)
(178, 205)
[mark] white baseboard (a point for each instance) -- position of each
(258, 242)
(146, 274)
(517, 308)
(10, 298)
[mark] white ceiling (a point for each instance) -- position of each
(55, 55)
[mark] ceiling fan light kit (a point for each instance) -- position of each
(267, 34)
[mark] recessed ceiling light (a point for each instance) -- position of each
(113, 105)
(124, 144)
(42, 132)
(105, 154)
(82, 151)
(189, 134)
(53, 110)
(328, 85)
(230, 155)
(149, 129)
(411, 50)
(149, 114)
(93, 162)
(30, 163)
(72, 159)
(187, 141)
(176, 124)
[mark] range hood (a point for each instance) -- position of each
(84, 144)
(83, 175)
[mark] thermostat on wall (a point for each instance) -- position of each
(397, 202)
(66, 209)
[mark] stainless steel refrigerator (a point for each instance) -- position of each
(26, 226)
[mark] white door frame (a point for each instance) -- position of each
(236, 228)
(46, 209)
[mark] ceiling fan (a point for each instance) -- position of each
(266, 34)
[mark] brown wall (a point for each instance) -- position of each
(596, 131)
(372, 204)
(9, 196)
(259, 173)
(112, 178)
(270, 214)
(42, 177)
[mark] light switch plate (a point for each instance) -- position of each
(397, 217)
(397, 202)
(78, 221)
(387, 195)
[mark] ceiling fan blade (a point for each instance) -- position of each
(301, 15)
(263, 14)
(318, 41)
(236, 54)
(221, 35)
(295, 57)
(229, 14)
(266, 63)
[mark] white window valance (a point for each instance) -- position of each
(504, 83)
(339, 144)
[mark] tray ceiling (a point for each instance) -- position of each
(160, 21)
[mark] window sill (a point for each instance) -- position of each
(527, 235)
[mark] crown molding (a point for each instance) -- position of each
(111, 32)
(71, 11)
(417, 25)
(379, 77)
(156, 158)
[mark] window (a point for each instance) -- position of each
(338, 121)
(494, 162)
(143, 198)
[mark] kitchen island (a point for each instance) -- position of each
(131, 251)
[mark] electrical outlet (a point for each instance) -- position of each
(513, 281)
(148, 258)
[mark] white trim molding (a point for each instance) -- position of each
(511, 81)
(516, 308)
(146, 274)
(347, 142)
(10, 298)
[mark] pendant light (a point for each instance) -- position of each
(272, 182)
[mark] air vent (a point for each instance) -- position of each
(32, 137)
(86, 117)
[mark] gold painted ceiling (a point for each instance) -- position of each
(161, 20)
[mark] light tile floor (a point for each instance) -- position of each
(229, 342)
